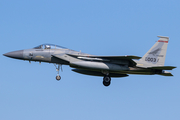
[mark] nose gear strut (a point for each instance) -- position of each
(58, 66)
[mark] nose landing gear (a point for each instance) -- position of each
(58, 77)
(58, 66)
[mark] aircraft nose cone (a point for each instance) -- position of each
(15, 54)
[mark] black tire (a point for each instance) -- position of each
(107, 78)
(58, 78)
(106, 83)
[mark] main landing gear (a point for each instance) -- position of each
(58, 66)
(106, 80)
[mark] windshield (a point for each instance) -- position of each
(49, 46)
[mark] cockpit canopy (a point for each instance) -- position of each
(49, 46)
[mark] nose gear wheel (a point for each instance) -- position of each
(58, 77)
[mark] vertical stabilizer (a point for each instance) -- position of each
(156, 55)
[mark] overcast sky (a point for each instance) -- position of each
(98, 27)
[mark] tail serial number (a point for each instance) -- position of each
(149, 59)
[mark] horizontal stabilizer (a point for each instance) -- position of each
(165, 73)
(162, 67)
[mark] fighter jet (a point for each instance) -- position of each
(106, 66)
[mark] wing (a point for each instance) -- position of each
(113, 59)
(119, 57)
(109, 57)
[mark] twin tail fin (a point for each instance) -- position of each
(156, 55)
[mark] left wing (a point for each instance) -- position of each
(113, 59)
(109, 57)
